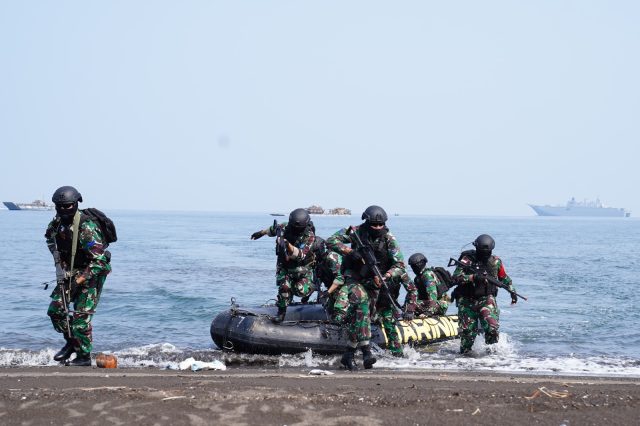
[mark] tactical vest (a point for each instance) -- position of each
(380, 248)
(64, 238)
(475, 290)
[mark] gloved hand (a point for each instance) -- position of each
(257, 235)
(290, 248)
(408, 315)
(514, 299)
(356, 257)
(378, 284)
(323, 298)
(479, 279)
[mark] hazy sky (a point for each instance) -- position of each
(428, 107)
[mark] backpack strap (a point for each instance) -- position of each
(74, 239)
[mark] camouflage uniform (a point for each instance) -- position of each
(429, 286)
(386, 311)
(329, 272)
(477, 303)
(91, 262)
(362, 289)
(294, 274)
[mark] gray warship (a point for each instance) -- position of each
(584, 208)
(37, 205)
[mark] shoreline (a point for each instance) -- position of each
(258, 395)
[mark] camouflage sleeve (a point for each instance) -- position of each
(431, 305)
(338, 242)
(50, 236)
(431, 285)
(271, 231)
(305, 247)
(503, 277)
(460, 274)
(397, 259)
(412, 292)
(334, 263)
(90, 240)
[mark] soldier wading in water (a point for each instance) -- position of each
(82, 264)
(294, 267)
(476, 295)
(363, 285)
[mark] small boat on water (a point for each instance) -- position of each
(276, 214)
(37, 205)
(308, 327)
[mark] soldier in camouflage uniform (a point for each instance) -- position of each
(387, 313)
(477, 296)
(84, 279)
(432, 292)
(362, 286)
(329, 272)
(294, 268)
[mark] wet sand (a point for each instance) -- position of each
(290, 396)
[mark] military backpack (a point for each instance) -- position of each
(106, 225)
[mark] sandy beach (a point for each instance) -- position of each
(88, 396)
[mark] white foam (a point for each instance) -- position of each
(22, 358)
(501, 357)
(504, 357)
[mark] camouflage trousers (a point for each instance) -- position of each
(431, 308)
(293, 282)
(339, 298)
(333, 262)
(471, 311)
(340, 303)
(359, 313)
(388, 322)
(85, 300)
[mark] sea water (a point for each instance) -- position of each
(174, 271)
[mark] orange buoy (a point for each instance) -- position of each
(106, 361)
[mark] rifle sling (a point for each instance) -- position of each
(74, 241)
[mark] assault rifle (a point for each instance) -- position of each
(62, 277)
(369, 259)
(281, 243)
(483, 273)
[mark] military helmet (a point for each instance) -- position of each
(374, 215)
(484, 245)
(299, 218)
(66, 195)
(417, 261)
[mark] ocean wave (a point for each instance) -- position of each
(503, 357)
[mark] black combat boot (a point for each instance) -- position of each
(80, 361)
(348, 360)
(367, 357)
(280, 317)
(64, 353)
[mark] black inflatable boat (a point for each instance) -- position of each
(308, 326)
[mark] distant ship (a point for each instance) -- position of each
(37, 205)
(580, 208)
